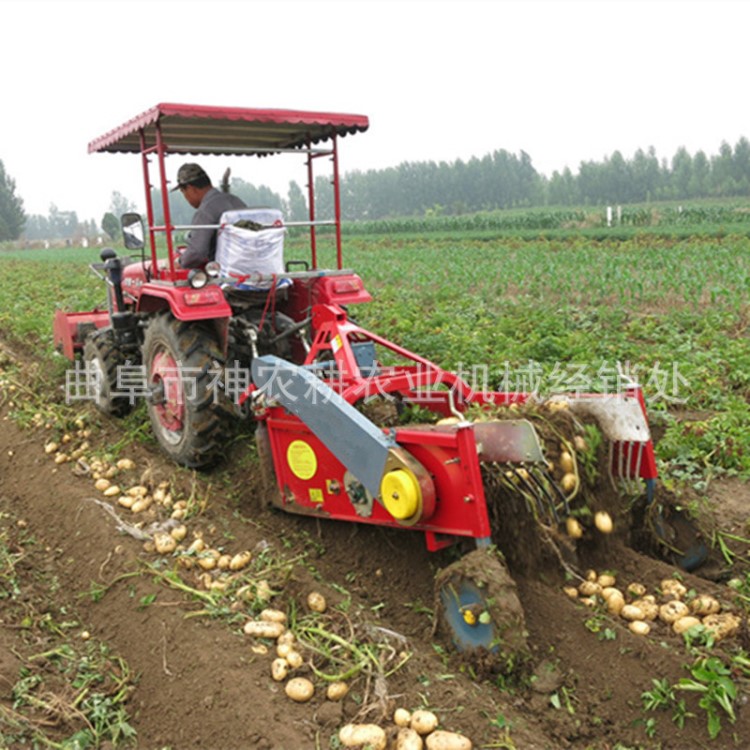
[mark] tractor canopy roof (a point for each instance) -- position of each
(197, 129)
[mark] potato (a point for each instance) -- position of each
(279, 669)
(441, 740)
(615, 603)
(608, 591)
(401, 717)
(222, 563)
(138, 491)
(196, 546)
(178, 533)
(569, 482)
(639, 627)
(185, 562)
(264, 629)
(580, 444)
(208, 559)
(408, 739)
(574, 528)
(685, 623)
(571, 591)
(361, 735)
(126, 501)
(240, 560)
(603, 522)
(102, 484)
(141, 504)
(705, 605)
(294, 659)
(273, 615)
(606, 580)
(125, 464)
(50, 448)
(287, 637)
(722, 626)
(299, 689)
(673, 588)
(111, 491)
(636, 589)
(337, 691)
(423, 722)
(316, 602)
(164, 543)
(566, 462)
(673, 611)
(589, 588)
(263, 591)
(648, 606)
(283, 649)
(631, 612)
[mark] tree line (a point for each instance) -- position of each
(502, 180)
(498, 180)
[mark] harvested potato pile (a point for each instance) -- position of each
(672, 606)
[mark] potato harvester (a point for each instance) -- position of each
(315, 379)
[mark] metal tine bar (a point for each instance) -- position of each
(549, 480)
(620, 460)
(631, 449)
(545, 492)
(610, 461)
(638, 461)
(528, 486)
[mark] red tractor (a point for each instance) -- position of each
(310, 377)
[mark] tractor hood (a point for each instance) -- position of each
(196, 129)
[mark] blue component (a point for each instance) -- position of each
(456, 598)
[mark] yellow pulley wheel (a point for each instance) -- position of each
(401, 494)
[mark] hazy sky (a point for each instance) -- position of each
(563, 80)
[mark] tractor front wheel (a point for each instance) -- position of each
(184, 370)
(103, 358)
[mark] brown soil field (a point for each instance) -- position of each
(197, 682)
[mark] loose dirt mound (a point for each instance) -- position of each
(200, 684)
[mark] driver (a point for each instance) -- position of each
(210, 203)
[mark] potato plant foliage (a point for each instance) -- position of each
(523, 313)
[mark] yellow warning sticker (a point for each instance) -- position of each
(316, 495)
(301, 459)
(336, 343)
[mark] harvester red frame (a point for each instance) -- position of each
(454, 504)
(427, 477)
(444, 458)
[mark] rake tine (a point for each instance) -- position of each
(545, 491)
(528, 487)
(560, 494)
(537, 491)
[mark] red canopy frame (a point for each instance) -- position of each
(196, 129)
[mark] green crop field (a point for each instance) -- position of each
(543, 314)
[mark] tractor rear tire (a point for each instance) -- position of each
(184, 369)
(102, 359)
